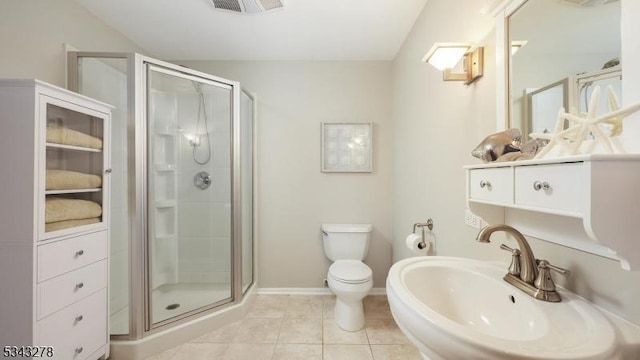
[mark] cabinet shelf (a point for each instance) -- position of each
(71, 147)
(530, 208)
(72, 191)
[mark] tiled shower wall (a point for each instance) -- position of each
(204, 220)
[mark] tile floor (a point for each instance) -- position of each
(291, 327)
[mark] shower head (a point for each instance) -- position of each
(247, 6)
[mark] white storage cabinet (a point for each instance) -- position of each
(54, 222)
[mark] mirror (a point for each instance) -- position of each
(560, 50)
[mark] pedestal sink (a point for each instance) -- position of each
(455, 308)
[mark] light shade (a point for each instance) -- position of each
(446, 55)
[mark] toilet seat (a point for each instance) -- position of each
(350, 271)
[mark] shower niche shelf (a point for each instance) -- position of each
(55, 219)
(163, 192)
(165, 168)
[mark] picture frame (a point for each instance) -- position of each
(347, 147)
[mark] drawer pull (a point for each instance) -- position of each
(79, 350)
(485, 183)
(79, 285)
(541, 185)
(79, 318)
(79, 253)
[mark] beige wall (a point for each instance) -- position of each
(436, 124)
(295, 198)
(32, 34)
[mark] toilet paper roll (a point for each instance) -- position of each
(412, 242)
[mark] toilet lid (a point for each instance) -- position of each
(350, 271)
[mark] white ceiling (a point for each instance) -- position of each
(302, 30)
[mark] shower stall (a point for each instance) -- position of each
(182, 215)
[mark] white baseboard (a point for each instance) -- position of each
(309, 291)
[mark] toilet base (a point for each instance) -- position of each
(349, 315)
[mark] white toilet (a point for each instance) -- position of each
(349, 278)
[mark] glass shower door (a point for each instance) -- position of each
(105, 78)
(189, 208)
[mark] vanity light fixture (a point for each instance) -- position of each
(445, 55)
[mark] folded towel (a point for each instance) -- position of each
(59, 225)
(60, 209)
(62, 135)
(63, 179)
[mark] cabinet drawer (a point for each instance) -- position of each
(78, 330)
(495, 185)
(70, 254)
(63, 290)
(555, 186)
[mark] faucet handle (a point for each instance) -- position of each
(561, 271)
(514, 268)
(506, 248)
(544, 280)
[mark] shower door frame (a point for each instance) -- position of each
(153, 66)
(140, 324)
(254, 186)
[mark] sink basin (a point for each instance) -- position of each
(455, 308)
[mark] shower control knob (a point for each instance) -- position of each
(202, 180)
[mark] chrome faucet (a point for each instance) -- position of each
(528, 266)
(523, 271)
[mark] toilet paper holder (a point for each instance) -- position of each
(428, 224)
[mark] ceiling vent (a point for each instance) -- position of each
(589, 3)
(247, 6)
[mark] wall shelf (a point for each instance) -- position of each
(586, 202)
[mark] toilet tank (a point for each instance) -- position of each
(346, 241)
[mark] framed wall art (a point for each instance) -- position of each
(347, 147)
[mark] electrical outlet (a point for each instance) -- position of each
(473, 220)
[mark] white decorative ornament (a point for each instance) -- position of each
(570, 139)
